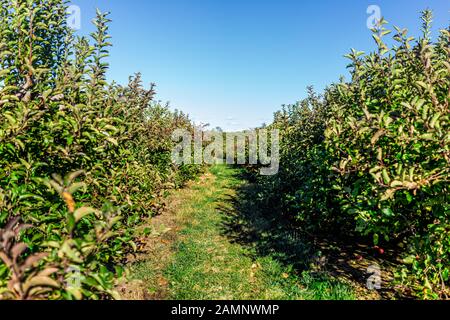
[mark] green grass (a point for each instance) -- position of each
(206, 265)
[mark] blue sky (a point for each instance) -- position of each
(233, 63)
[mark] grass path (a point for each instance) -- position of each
(190, 255)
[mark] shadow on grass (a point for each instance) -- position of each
(259, 227)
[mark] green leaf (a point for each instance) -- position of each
(83, 212)
(387, 212)
(376, 239)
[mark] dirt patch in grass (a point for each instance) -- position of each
(146, 280)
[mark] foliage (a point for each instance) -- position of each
(371, 156)
(111, 143)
